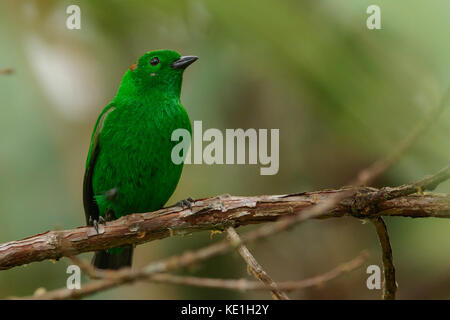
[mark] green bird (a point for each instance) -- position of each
(129, 167)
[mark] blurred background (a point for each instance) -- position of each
(341, 95)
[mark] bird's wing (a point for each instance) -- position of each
(90, 206)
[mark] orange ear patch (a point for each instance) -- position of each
(133, 67)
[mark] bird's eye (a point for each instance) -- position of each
(154, 61)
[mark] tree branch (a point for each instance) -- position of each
(246, 285)
(389, 283)
(231, 284)
(113, 278)
(218, 213)
(256, 269)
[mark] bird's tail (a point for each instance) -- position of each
(115, 258)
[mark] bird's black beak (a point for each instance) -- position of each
(184, 62)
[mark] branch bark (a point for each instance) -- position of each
(218, 213)
(116, 277)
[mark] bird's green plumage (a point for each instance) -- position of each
(131, 144)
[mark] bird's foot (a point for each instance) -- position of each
(109, 216)
(186, 203)
(95, 222)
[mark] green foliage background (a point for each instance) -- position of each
(342, 96)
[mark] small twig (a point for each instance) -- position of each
(113, 278)
(88, 268)
(246, 285)
(255, 267)
(389, 283)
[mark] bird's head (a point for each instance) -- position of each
(160, 70)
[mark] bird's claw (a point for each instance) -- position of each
(186, 203)
(95, 222)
